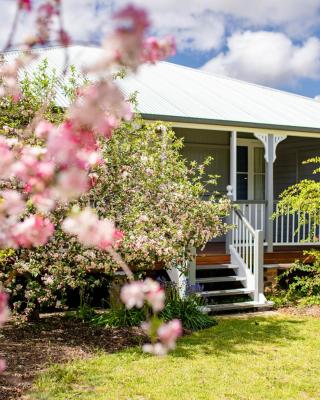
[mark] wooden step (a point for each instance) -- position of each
(221, 279)
(204, 259)
(237, 306)
(216, 267)
(226, 292)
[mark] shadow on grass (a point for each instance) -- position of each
(235, 334)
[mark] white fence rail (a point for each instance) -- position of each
(286, 227)
(288, 230)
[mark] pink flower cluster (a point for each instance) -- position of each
(127, 45)
(135, 294)
(99, 108)
(92, 231)
(4, 309)
(33, 231)
(155, 49)
(25, 4)
(167, 334)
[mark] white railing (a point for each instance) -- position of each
(288, 228)
(254, 211)
(246, 250)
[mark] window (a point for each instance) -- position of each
(250, 170)
(242, 172)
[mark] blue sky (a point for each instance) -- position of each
(269, 42)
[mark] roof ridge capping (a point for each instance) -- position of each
(241, 81)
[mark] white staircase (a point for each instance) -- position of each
(235, 286)
(224, 289)
(239, 285)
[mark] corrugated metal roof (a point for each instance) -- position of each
(176, 93)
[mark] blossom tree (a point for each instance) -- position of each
(57, 172)
(150, 192)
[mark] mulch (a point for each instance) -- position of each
(307, 311)
(31, 348)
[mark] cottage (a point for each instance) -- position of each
(258, 137)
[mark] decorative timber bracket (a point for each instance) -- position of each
(276, 139)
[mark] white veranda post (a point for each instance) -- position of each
(232, 187)
(270, 143)
(233, 164)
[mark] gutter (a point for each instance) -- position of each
(233, 124)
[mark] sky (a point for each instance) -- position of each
(270, 42)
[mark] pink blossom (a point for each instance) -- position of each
(44, 201)
(43, 128)
(131, 19)
(93, 179)
(71, 183)
(79, 146)
(154, 294)
(6, 158)
(3, 365)
(35, 173)
(48, 280)
(157, 349)
(33, 231)
(132, 294)
(169, 332)
(125, 45)
(4, 309)
(90, 230)
(64, 38)
(12, 203)
(99, 108)
(155, 49)
(24, 5)
(150, 292)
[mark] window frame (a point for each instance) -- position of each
(251, 144)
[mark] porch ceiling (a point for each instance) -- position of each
(184, 95)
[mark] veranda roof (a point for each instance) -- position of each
(173, 92)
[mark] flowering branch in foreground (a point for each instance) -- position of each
(163, 336)
(58, 170)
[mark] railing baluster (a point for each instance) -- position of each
(293, 226)
(288, 224)
(277, 226)
(281, 235)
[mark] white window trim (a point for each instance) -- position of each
(251, 144)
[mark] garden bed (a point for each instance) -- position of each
(31, 348)
(311, 311)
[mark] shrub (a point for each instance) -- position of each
(187, 309)
(119, 317)
(300, 284)
(144, 185)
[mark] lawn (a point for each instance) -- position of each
(259, 357)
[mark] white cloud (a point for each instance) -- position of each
(197, 24)
(268, 58)
(256, 54)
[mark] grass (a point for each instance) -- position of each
(253, 358)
